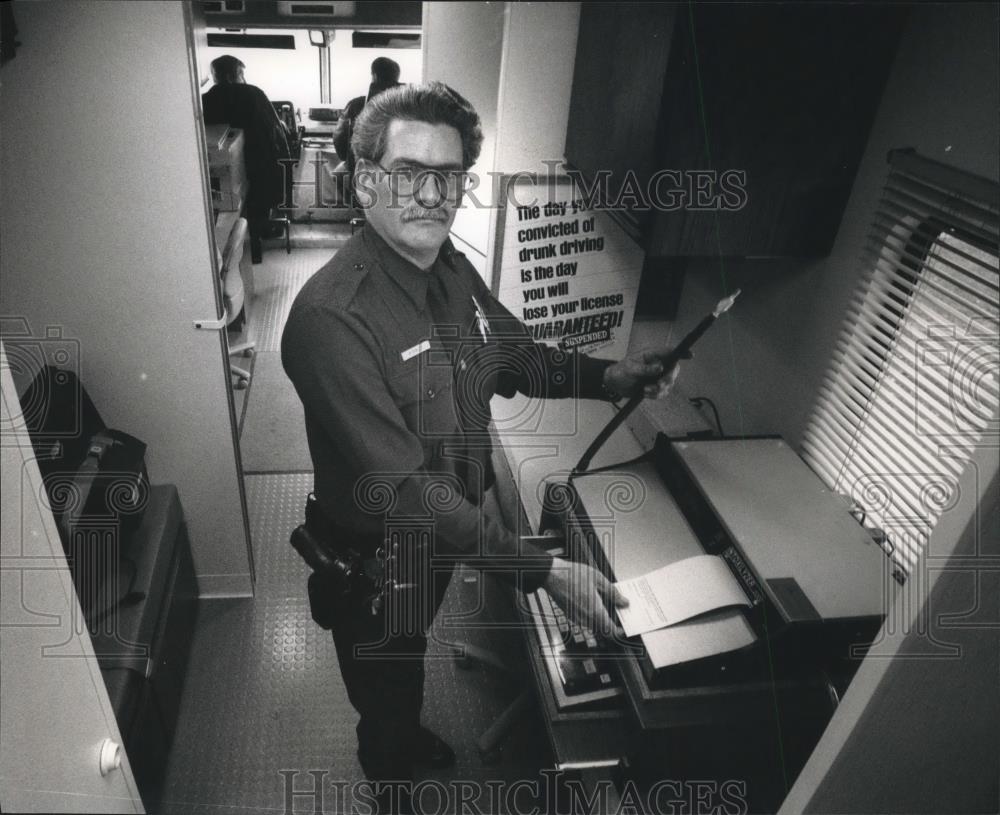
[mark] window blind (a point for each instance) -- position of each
(913, 384)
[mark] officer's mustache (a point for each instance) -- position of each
(423, 214)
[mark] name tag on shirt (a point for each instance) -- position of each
(416, 350)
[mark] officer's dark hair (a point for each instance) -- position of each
(385, 71)
(434, 103)
(226, 69)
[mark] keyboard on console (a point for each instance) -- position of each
(580, 669)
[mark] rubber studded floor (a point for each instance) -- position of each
(276, 280)
(264, 707)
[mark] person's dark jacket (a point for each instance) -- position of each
(345, 124)
(345, 127)
(248, 108)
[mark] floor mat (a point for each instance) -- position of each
(274, 430)
(276, 282)
(265, 717)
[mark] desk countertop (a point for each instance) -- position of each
(544, 439)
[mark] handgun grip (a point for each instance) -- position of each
(313, 551)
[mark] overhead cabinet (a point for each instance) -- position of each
(727, 129)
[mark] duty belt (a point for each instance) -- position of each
(324, 547)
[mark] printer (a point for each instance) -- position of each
(816, 583)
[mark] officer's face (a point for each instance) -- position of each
(413, 219)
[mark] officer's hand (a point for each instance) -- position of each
(578, 588)
(645, 371)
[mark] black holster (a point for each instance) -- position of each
(338, 570)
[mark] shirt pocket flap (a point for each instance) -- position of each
(419, 381)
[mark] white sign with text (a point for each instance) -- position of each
(569, 273)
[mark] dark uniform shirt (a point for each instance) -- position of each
(396, 386)
(265, 144)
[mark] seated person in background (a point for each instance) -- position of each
(385, 75)
(233, 102)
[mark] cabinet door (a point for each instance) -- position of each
(621, 58)
(784, 93)
(54, 708)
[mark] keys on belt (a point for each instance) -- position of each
(387, 578)
(350, 573)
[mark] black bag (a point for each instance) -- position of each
(97, 485)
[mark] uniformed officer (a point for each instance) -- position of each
(395, 348)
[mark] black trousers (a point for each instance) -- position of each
(382, 664)
(258, 218)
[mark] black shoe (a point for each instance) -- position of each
(432, 751)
